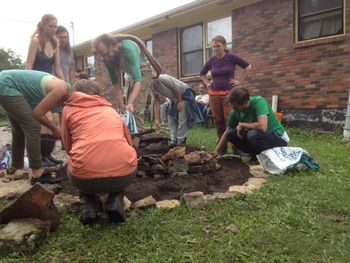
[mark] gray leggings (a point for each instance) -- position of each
(25, 131)
(115, 184)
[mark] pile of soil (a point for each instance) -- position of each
(233, 172)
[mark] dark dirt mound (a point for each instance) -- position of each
(232, 172)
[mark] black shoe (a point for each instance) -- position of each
(45, 162)
(53, 160)
(46, 178)
(90, 207)
(115, 208)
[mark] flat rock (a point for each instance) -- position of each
(178, 165)
(239, 189)
(14, 188)
(146, 202)
(167, 204)
(220, 195)
(23, 235)
(127, 203)
(37, 202)
(176, 152)
(63, 199)
(155, 137)
(254, 183)
(194, 198)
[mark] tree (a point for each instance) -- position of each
(9, 60)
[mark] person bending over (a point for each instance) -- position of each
(101, 158)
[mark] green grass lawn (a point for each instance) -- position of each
(297, 217)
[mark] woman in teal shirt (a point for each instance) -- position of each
(26, 96)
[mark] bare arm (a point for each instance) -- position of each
(135, 93)
(260, 125)
(119, 94)
(33, 46)
(66, 136)
(156, 108)
(240, 79)
(58, 70)
(222, 142)
(56, 91)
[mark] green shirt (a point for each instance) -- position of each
(258, 107)
(131, 62)
(26, 83)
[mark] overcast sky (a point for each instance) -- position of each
(19, 18)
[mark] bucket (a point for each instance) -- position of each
(279, 115)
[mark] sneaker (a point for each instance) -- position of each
(54, 160)
(90, 208)
(45, 162)
(46, 178)
(115, 208)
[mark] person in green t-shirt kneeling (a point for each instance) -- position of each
(252, 125)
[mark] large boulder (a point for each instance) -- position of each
(37, 202)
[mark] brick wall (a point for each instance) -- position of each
(165, 50)
(305, 76)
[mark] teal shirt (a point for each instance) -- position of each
(132, 62)
(26, 83)
(258, 107)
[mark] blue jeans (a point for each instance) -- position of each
(254, 141)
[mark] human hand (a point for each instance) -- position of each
(210, 83)
(234, 82)
(158, 126)
(179, 106)
(239, 130)
(57, 133)
(215, 153)
(122, 108)
(130, 107)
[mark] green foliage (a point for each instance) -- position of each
(9, 60)
(296, 217)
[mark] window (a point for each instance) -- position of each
(91, 66)
(191, 50)
(196, 44)
(221, 27)
(319, 18)
(149, 46)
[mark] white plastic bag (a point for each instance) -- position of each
(129, 120)
(280, 159)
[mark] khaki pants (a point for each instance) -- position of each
(141, 100)
(25, 131)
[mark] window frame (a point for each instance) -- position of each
(181, 53)
(297, 23)
(205, 46)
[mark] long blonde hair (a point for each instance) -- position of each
(39, 32)
(110, 40)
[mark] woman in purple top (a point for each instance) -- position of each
(222, 67)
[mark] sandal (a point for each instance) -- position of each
(11, 170)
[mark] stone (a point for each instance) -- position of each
(158, 169)
(217, 167)
(155, 137)
(158, 176)
(55, 188)
(23, 235)
(37, 202)
(257, 171)
(176, 152)
(150, 159)
(239, 189)
(221, 195)
(178, 165)
(167, 204)
(14, 188)
(18, 175)
(254, 183)
(199, 168)
(2, 173)
(141, 174)
(157, 146)
(127, 203)
(176, 174)
(232, 228)
(193, 199)
(63, 199)
(143, 166)
(198, 157)
(146, 202)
